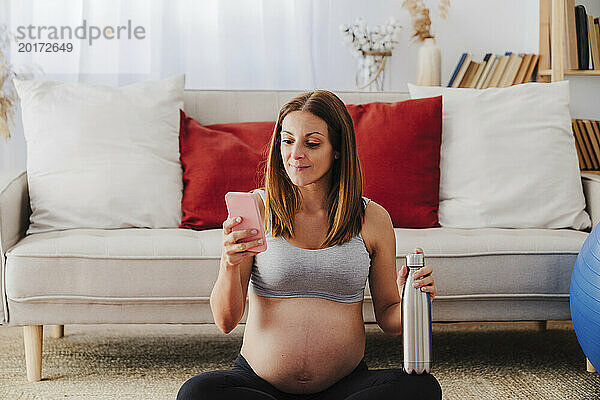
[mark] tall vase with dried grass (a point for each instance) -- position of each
(8, 93)
(429, 57)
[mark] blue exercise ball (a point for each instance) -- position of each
(585, 297)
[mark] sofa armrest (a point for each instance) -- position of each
(14, 208)
(14, 221)
(591, 191)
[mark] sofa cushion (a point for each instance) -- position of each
(118, 265)
(494, 262)
(508, 158)
(102, 157)
(218, 159)
(174, 265)
(399, 150)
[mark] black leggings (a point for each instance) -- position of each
(241, 382)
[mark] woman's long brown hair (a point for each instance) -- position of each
(345, 209)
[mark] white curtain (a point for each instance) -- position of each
(218, 44)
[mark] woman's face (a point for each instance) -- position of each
(305, 144)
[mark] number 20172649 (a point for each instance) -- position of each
(45, 47)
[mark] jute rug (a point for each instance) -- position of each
(472, 361)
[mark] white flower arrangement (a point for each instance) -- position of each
(362, 38)
(371, 45)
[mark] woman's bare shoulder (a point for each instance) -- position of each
(376, 225)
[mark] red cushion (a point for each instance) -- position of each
(399, 150)
(217, 159)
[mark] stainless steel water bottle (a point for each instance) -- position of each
(416, 320)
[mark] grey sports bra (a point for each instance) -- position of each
(337, 273)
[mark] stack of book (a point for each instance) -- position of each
(494, 71)
(587, 142)
(582, 38)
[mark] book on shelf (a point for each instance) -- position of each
(593, 128)
(523, 69)
(591, 143)
(508, 77)
(490, 73)
(570, 48)
(532, 69)
(489, 60)
(597, 34)
(584, 158)
(544, 43)
(479, 72)
(582, 37)
(580, 156)
(494, 71)
(471, 70)
(461, 70)
(458, 66)
(499, 71)
(594, 59)
(587, 143)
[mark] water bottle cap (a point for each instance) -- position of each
(415, 260)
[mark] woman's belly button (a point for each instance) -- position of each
(312, 368)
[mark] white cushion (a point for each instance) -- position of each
(508, 158)
(102, 157)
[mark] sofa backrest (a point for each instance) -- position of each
(224, 106)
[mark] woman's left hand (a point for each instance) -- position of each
(424, 280)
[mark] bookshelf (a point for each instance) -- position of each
(552, 23)
(552, 69)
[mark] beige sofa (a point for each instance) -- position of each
(165, 276)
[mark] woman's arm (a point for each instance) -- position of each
(228, 297)
(386, 286)
(387, 303)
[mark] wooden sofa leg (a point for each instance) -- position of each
(541, 326)
(33, 336)
(57, 331)
(590, 367)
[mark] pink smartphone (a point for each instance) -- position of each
(241, 204)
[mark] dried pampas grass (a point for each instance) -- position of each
(8, 98)
(8, 93)
(419, 14)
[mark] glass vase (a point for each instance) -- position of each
(370, 74)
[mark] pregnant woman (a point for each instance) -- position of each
(304, 336)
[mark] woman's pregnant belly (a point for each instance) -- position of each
(303, 345)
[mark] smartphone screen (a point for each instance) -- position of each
(242, 204)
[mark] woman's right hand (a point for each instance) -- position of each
(233, 251)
